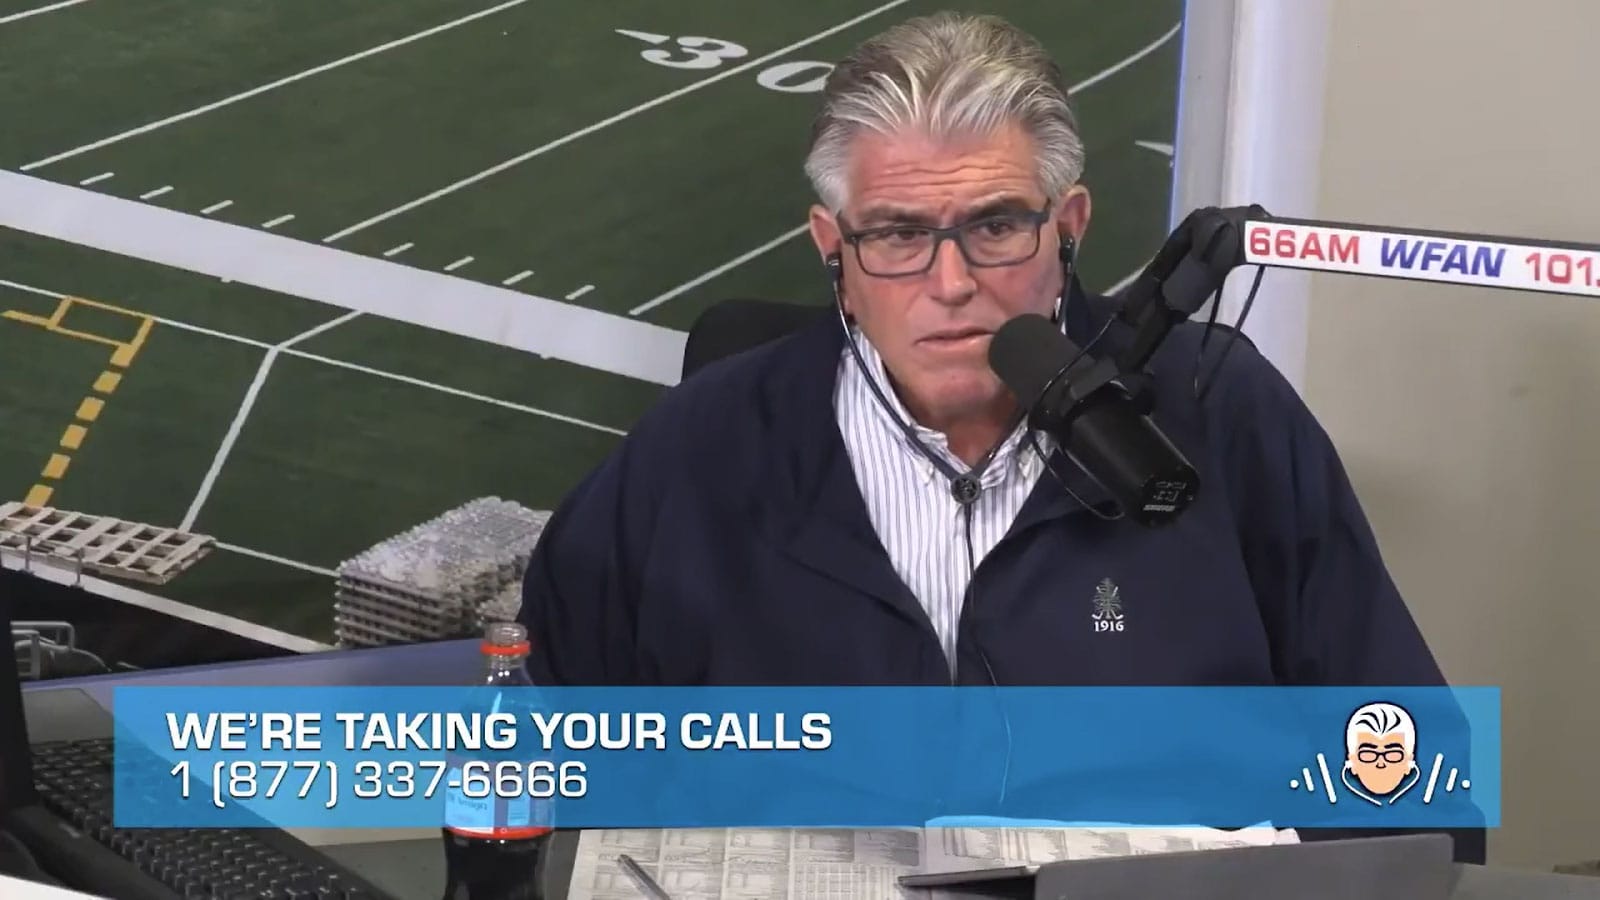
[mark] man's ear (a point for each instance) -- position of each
(824, 232)
(830, 245)
(1072, 214)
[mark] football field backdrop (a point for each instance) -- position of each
(637, 159)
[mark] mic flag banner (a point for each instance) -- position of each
(517, 758)
(1556, 267)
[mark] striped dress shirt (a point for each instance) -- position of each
(920, 524)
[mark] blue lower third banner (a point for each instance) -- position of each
(487, 758)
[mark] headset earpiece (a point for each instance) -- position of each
(1068, 247)
(834, 263)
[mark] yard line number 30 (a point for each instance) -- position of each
(694, 52)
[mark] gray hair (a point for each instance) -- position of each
(1380, 719)
(945, 75)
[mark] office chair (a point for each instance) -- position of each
(739, 324)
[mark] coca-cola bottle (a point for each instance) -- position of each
(493, 845)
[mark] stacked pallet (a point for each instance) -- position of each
(100, 545)
(442, 579)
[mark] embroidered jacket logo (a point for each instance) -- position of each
(1107, 607)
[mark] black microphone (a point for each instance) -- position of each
(1094, 419)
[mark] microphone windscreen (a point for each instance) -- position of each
(1027, 352)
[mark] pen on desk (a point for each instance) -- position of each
(647, 885)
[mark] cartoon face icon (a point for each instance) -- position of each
(1380, 752)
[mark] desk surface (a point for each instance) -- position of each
(410, 862)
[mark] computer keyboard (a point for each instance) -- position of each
(74, 781)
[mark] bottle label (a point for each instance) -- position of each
(472, 807)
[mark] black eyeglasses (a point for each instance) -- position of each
(1368, 755)
(993, 241)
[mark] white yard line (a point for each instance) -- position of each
(603, 123)
(458, 264)
(18, 16)
(396, 251)
(151, 195)
(245, 95)
(1139, 54)
(704, 277)
(280, 560)
(274, 223)
(353, 281)
(580, 292)
(243, 413)
(216, 207)
(792, 233)
(457, 392)
(517, 277)
(96, 179)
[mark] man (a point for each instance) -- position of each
(794, 514)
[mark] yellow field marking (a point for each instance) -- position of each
(93, 338)
(89, 409)
(57, 466)
(124, 355)
(30, 318)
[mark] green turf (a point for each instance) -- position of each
(431, 113)
(321, 482)
(144, 455)
(106, 67)
(9, 7)
(46, 376)
(488, 369)
(332, 460)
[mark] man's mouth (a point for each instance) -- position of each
(955, 337)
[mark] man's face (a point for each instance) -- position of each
(933, 329)
(1380, 761)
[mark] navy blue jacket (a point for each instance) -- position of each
(726, 542)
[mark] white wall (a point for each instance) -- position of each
(1468, 417)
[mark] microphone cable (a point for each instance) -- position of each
(1233, 335)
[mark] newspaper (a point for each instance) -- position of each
(749, 863)
(840, 863)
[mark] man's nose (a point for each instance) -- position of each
(951, 277)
